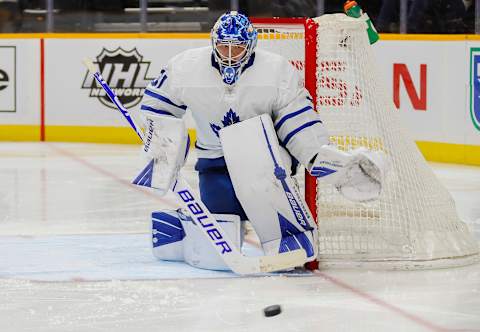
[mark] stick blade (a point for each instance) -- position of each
(283, 261)
(251, 265)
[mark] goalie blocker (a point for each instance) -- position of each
(165, 150)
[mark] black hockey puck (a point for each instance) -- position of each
(272, 310)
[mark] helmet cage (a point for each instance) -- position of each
(229, 59)
(232, 32)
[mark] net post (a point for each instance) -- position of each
(311, 86)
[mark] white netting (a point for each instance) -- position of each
(414, 224)
(285, 39)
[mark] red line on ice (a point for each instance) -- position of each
(370, 298)
(110, 175)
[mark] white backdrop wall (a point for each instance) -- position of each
(446, 117)
(70, 101)
(20, 81)
(441, 72)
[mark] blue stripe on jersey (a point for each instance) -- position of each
(156, 83)
(199, 147)
(294, 132)
(164, 99)
(291, 115)
(154, 110)
(161, 82)
(187, 148)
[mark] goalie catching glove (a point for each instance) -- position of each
(357, 174)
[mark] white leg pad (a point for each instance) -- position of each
(176, 238)
(167, 235)
(198, 252)
(263, 185)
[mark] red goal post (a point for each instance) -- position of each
(294, 30)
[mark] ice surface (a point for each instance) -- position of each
(91, 257)
(68, 214)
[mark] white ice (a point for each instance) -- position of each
(74, 241)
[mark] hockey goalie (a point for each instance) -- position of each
(255, 124)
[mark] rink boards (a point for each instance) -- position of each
(46, 94)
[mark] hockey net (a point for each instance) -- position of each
(414, 224)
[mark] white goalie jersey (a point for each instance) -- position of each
(268, 85)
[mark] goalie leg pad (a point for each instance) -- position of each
(198, 252)
(167, 235)
(272, 202)
(292, 239)
(176, 238)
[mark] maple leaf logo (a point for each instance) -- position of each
(228, 119)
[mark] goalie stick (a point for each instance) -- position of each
(232, 256)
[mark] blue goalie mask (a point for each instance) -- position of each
(233, 40)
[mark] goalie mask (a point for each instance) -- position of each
(233, 40)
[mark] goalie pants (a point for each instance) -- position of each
(216, 189)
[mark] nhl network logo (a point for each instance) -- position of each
(124, 71)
